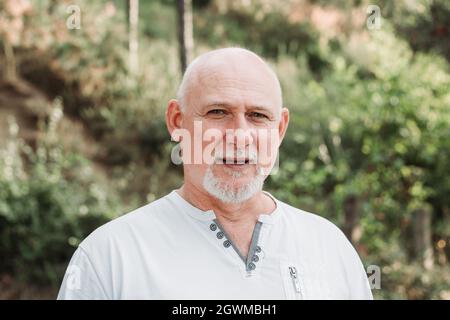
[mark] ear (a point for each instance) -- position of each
(174, 116)
(282, 127)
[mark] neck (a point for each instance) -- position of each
(244, 212)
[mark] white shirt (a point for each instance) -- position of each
(169, 249)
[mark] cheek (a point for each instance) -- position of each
(196, 172)
(267, 147)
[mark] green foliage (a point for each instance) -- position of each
(267, 33)
(48, 204)
(88, 68)
(381, 139)
(424, 24)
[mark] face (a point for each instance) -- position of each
(233, 111)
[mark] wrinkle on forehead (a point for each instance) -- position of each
(229, 68)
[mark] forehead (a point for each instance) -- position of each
(234, 83)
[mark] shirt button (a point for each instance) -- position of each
(213, 227)
(255, 258)
(227, 243)
(258, 249)
(251, 266)
(219, 235)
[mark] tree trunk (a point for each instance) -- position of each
(185, 32)
(10, 60)
(133, 34)
(423, 248)
(352, 228)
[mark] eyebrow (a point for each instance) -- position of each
(230, 106)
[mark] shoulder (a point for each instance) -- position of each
(120, 229)
(319, 235)
(311, 222)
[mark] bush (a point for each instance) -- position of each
(375, 132)
(48, 204)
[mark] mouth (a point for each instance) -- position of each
(233, 161)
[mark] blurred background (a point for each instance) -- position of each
(84, 86)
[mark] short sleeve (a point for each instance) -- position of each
(81, 280)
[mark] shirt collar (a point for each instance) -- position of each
(209, 215)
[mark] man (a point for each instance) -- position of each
(220, 236)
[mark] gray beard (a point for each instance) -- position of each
(228, 194)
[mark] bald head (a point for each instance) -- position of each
(228, 67)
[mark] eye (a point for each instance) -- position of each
(258, 115)
(216, 112)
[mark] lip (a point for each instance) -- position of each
(236, 167)
(236, 162)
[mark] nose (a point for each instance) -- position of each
(241, 134)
